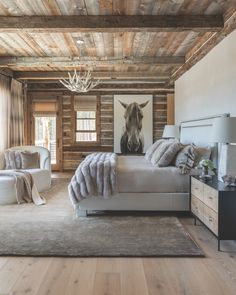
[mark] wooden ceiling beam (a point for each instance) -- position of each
(7, 72)
(111, 23)
(109, 81)
(105, 87)
(77, 61)
(101, 75)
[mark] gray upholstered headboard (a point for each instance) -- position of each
(198, 131)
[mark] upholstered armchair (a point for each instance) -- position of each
(41, 175)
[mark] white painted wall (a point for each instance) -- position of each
(209, 87)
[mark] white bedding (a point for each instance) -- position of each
(136, 174)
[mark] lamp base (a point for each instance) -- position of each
(227, 161)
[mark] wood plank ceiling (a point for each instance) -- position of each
(156, 53)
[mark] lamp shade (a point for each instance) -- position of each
(224, 130)
(171, 131)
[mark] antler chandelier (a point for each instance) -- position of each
(80, 82)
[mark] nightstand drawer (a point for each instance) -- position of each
(211, 198)
(197, 189)
(211, 219)
(214, 205)
(197, 207)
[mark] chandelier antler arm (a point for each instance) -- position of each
(65, 82)
(87, 77)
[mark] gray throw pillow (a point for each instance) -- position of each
(169, 154)
(30, 160)
(152, 149)
(12, 160)
(185, 159)
(159, 152)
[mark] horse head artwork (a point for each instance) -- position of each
(132, 140)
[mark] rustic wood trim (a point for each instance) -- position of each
(170, 109)
(73, 119)
(25, 107)
(60, 134)
(98, 119)
(28, 118)
(203, 49)
(29, 61)
(110, 23)
(42, 75)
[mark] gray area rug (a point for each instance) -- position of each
(49, 231)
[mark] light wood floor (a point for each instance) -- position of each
(213, 275)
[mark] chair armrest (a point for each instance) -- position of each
(46, 163)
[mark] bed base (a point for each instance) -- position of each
(135, 202)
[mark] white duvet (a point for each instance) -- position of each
(136, 174)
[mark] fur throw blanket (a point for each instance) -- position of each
(26, 190)
(95, 176)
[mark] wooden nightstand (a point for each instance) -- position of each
(215, 206)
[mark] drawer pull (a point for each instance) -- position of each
(210, 198)
(210, 219)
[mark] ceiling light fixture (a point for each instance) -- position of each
(80, 41)
(80, 82)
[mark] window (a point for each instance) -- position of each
(45, 126)
(86, 119)
(45, 134)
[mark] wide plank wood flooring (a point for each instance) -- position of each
(213, 275)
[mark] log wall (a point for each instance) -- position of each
(72, 153)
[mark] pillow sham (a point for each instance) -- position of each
(152, 149)
(30, 160)
(169, 154)
(159, 152)
(185, 159)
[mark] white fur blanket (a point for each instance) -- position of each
(95, 176)
(26, 190)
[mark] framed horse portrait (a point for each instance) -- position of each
(133, 123)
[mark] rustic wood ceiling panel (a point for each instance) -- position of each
(130, 44)
(96, 44)
(116, 7)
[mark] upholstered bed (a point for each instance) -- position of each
(135, 174)
(141, 186)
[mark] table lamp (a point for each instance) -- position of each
(224, 132)
(171, 131)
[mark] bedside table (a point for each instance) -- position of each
(215, 206)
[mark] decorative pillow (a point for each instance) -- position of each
(169, 154)
(12, 160)
(202, 153)
(159, 152)
(185, 159)
(152, 149)
(30, 160)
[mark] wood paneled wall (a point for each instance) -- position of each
(72, 154)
